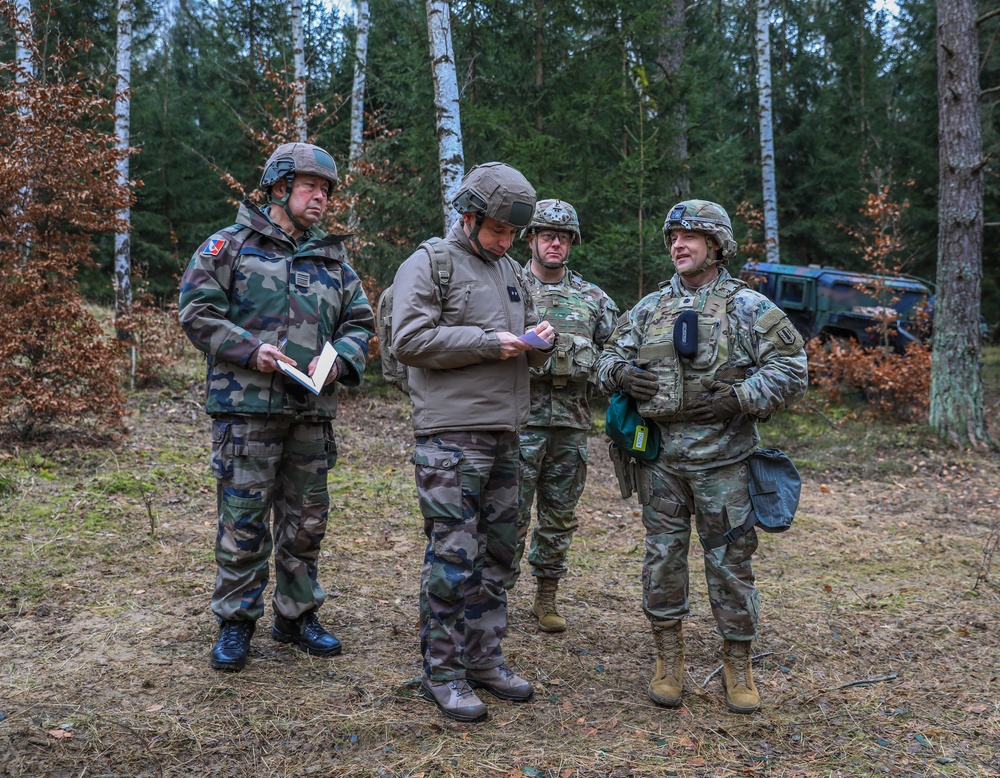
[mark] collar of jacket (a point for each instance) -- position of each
(252, 216)
(680, 289)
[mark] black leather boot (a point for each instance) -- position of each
(231, 649)
(307, 633)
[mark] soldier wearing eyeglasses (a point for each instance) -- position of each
(554, 444)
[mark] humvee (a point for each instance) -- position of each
(829, 303)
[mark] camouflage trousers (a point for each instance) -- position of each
(719, 500)
(264, 466)
(467, 488)
(553, 467)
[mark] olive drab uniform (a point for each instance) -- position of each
(554, 444)
(272, 441)
(701, 471)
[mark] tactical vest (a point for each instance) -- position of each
(575, 354)
(681, 377)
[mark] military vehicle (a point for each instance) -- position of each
(830, 303)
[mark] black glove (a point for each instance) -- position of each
(638, 383)
(720, 404)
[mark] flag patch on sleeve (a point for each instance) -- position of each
(214, 247)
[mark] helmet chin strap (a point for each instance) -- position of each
(283, 202)
(474, 240)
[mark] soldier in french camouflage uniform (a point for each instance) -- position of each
(274, 288)
(554, 444)
(706, 358)
(468, 380)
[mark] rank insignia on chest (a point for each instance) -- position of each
(214, 247)
(301, 279)
(515, 296)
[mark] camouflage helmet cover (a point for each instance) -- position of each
(290, 159)
(498, 191)
(702, 216)
(555, 215)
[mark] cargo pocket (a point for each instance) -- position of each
(221, 459)
(439, 482)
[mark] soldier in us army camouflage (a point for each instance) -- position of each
(706, 358)
(554, 444)
(274, 288)
(468, 377)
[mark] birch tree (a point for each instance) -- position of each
(358, 93)
(299, 58)
(24, 74)
(123, 260)
(451, 158)
(770, 193)
(24, 48)
(956, 404)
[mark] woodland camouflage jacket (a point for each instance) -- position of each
(251, 284)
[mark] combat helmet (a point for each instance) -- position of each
(498, 191)
(555, 215)
(702, 216)
(290, 159)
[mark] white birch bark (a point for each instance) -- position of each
(451, 157)
(770, 193)
(299, 58)
(25, 73)
(25, 58)
(358, 93)
(123, 274)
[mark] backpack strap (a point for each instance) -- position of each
(441, 264)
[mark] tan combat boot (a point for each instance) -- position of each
(741, 694)
(668, 678)
(544, 608)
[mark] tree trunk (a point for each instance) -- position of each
(299, 58)
(25, 73)
(24, 47)
(771, 245)
(956, 403)
(123, 273)
(669, 61)
(358, 93)
(451, 158)
(539, 64)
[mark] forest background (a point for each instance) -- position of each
(620, 109)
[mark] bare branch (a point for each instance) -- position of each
(988, 15)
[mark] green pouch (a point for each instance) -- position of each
(629, 430)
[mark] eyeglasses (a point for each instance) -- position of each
(548, 236)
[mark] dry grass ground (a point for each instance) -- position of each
(879, 651)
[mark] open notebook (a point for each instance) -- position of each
(315, 382)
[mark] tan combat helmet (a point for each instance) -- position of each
(703, 216)
(498, 191)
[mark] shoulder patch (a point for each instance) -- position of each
(775, 326)
(214, 247)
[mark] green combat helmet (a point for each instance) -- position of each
(702, 216)
(498, 191)
(290, 159)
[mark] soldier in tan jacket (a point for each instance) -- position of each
(468, 344)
